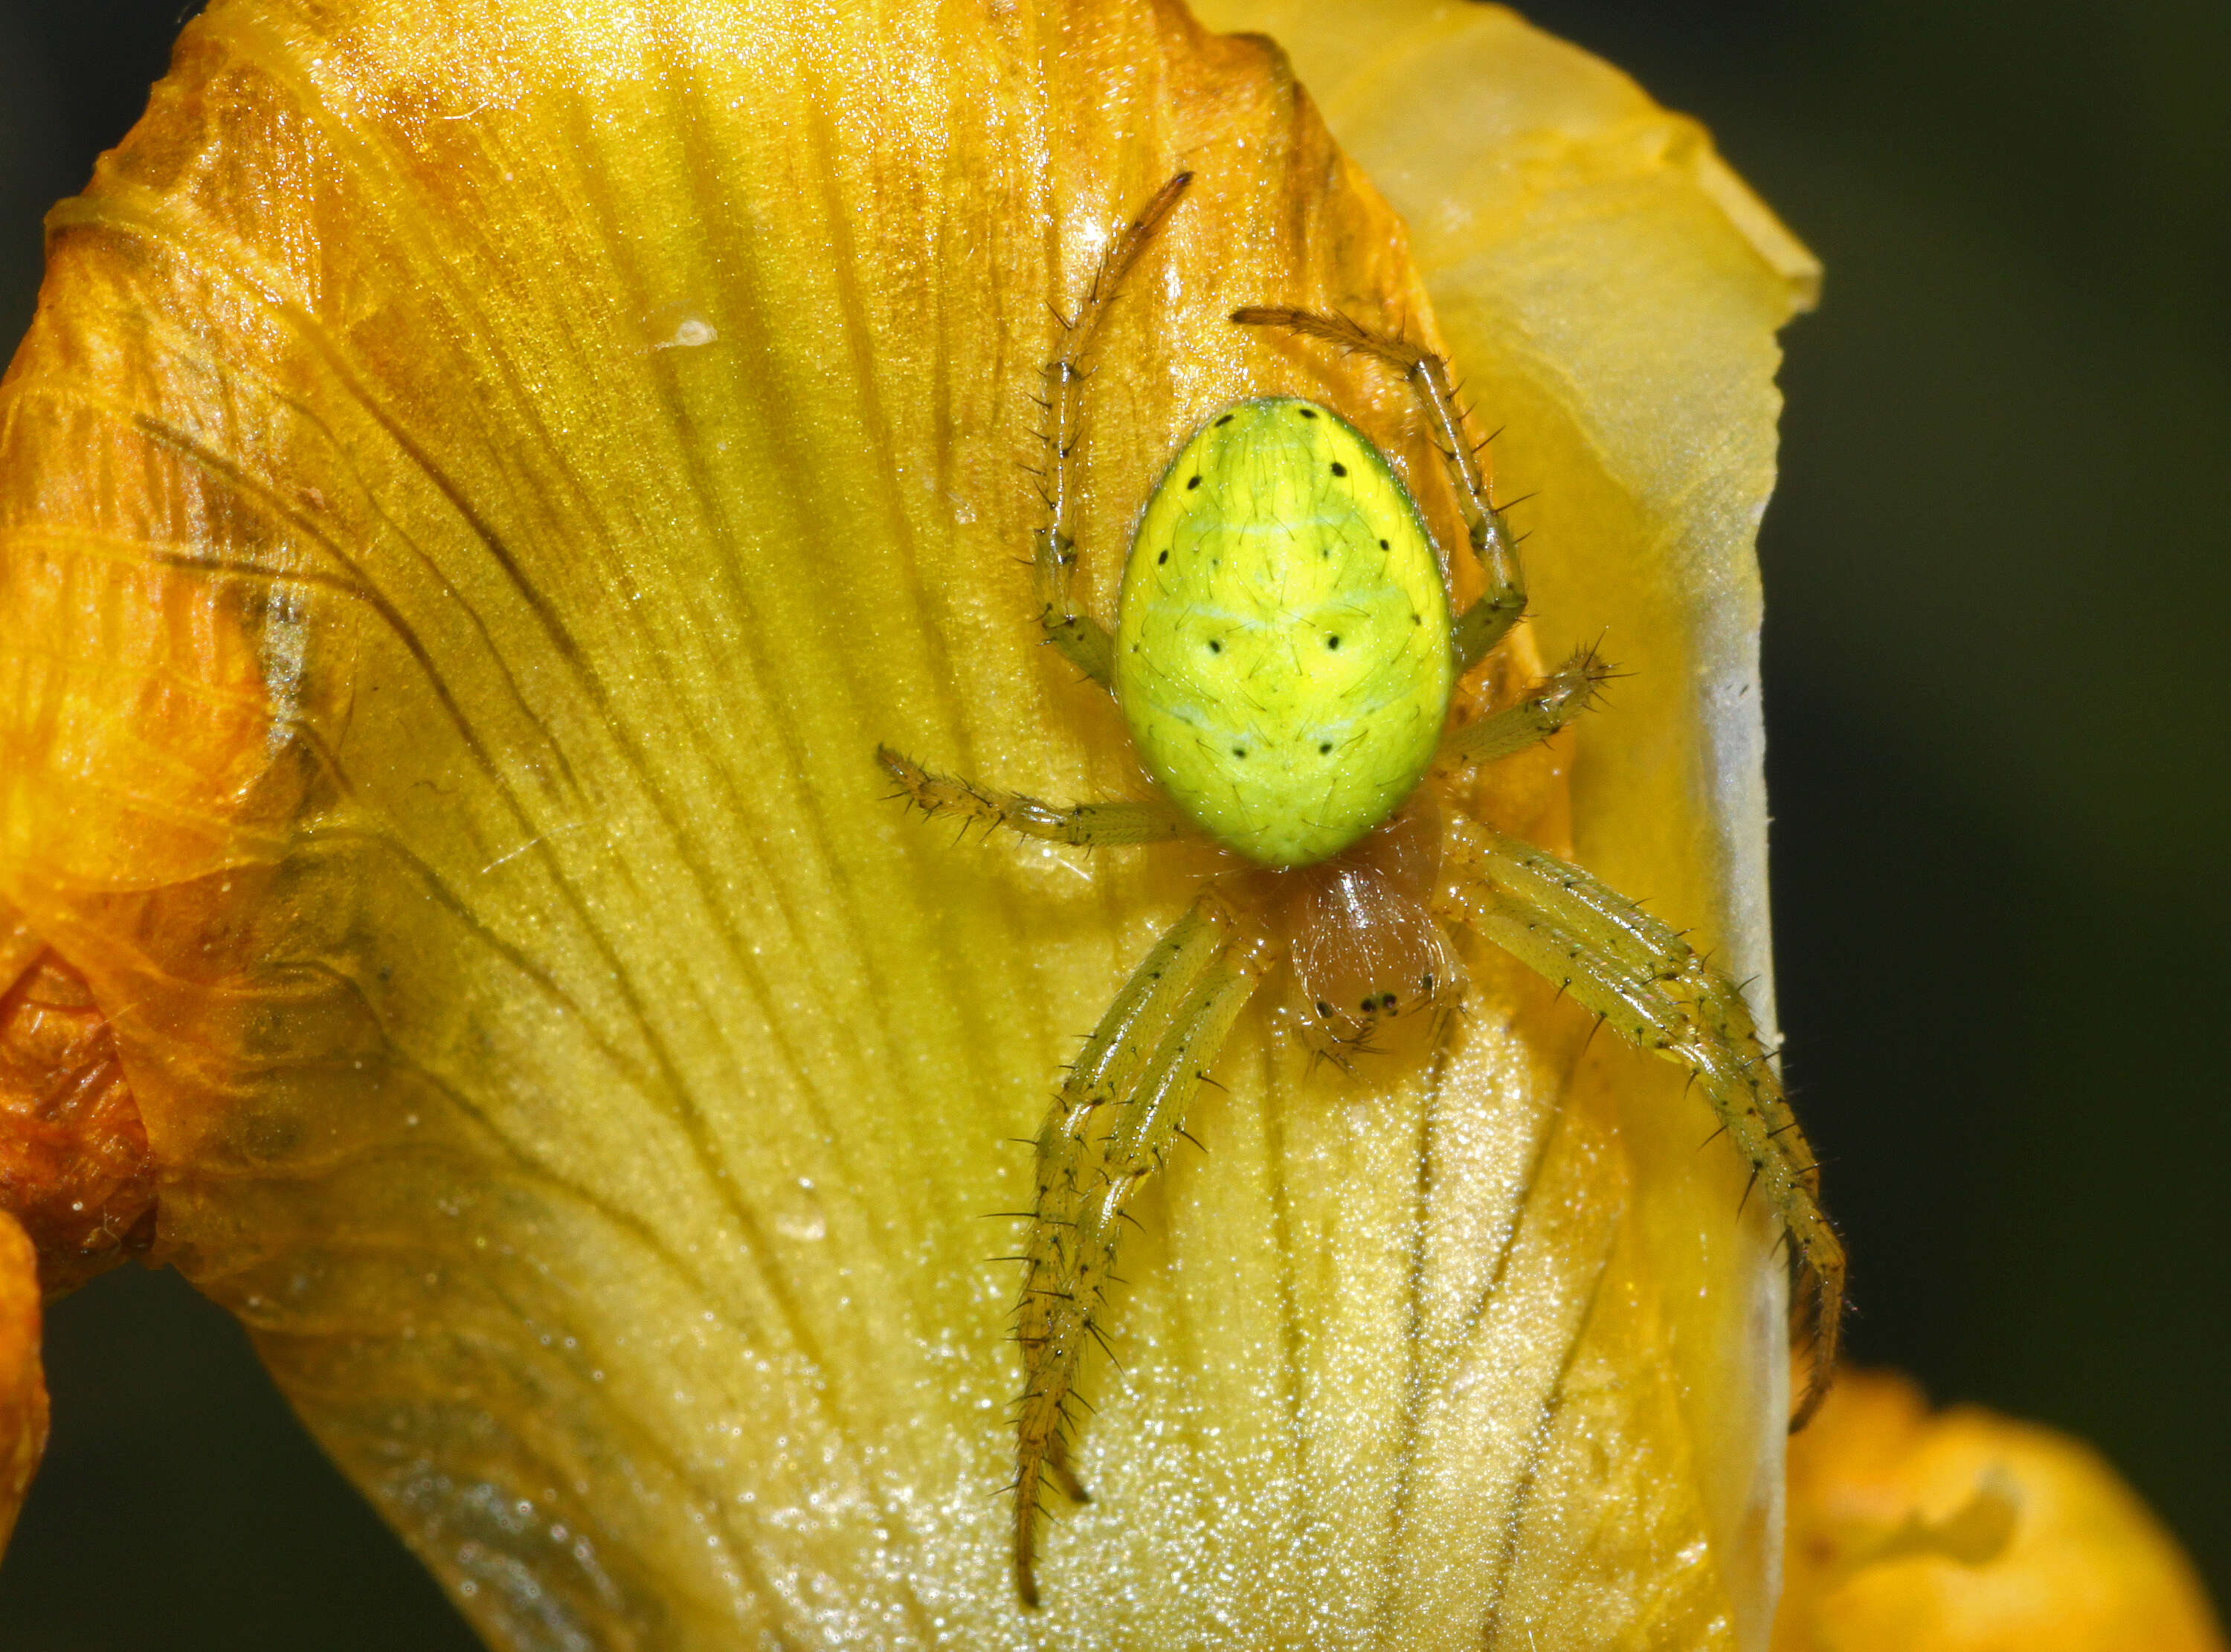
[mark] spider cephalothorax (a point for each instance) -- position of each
(1286, 659)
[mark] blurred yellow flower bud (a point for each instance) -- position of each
(1966, 1531)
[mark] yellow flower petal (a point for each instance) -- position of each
(473, 499)
(1966, 1531)
(23, 1394)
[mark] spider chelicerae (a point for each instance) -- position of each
(1286, 659)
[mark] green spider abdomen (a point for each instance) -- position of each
(1283, 651)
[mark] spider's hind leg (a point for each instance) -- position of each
(1480, 627)
(1082, 639)
(1654, 991)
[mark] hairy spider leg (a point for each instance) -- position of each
(1480, 627)
(1109, 1128)
(1063, 1289)
(1547, 706)
(1651, 987)
(1082, 639)
(1091, 824)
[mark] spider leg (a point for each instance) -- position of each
(1062, 1472)
(1480, 627)
(1548, 706)
(1102, 824)
(1108, 1130)
(1649, 985)
(1082, 639)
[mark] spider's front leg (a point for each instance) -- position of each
(1108, 1130)
(1480, 627)
(1112, 1121)
(1649, 985)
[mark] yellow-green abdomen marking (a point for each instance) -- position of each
(1281, 654)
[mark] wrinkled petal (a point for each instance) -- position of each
(475, 498)
(1966, 1531)
(74, 1170)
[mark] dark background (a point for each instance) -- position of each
(1997, 592)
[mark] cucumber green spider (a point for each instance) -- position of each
(1286, 659)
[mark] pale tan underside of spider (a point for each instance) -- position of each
(1360, 926)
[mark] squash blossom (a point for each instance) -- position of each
(474, 496)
